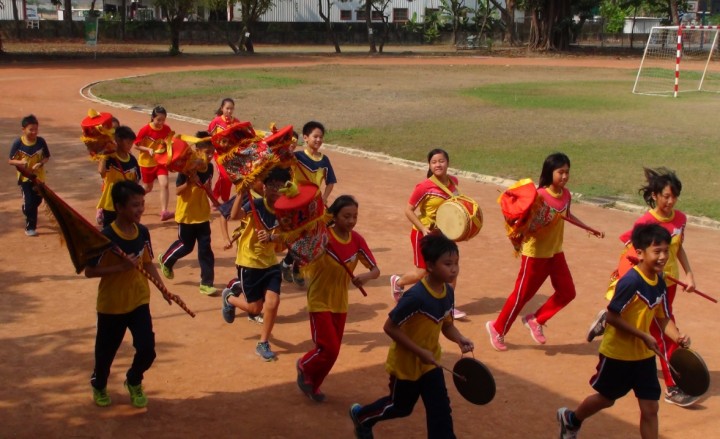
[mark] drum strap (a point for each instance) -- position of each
(444, 188)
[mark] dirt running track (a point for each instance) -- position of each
(207, 381)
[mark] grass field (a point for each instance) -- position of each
(495, 120)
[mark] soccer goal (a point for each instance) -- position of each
(679, 59)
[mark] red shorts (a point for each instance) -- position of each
(149, 174)
(415, 237)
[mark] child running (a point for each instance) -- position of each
(31, 152)
(118, 166)
(145, 143)
(542, 257)
(314, 167)
(661, 193)
(415, 324)
(327, 294)
(257, 286)
(123, 300)
(223, 119)
(427, 197)
(627, 351)
(192, 214)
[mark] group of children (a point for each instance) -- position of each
(637, 324)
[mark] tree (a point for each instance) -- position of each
(16, 17)
(175, 12)
(381, 7)
(507, 15)
(67, 14)
(251, 11)
(550, 24)
(456, 12)
(328, 24)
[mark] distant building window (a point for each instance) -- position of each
(345, 15)
(360, 15)
(377, 15)
(400, 14)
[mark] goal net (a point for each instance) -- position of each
(679, 59)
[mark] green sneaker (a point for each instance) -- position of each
(208, 290)
(137, 395)
(101, 397)
(166, 271)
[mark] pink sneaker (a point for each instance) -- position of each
(165, 215)
(457, 314)
(536, 329)
(395, 290)
(497, 341)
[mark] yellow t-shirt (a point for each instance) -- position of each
(251, 253)
(547, 242)
(117, 169)
(638, 300)
(192, 205)
(33, 153)
(120, 293)
(420, 313)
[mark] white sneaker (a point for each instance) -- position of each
(597, 328)
(31, 232)
(457, 314)
(395, 290)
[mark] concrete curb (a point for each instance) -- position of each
(86, 93)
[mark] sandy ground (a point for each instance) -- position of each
(207, 380)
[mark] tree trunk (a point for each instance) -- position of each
(67, 17)
(328, 23)
(674, 13)
(16, 17)
(368, 23)
(507, 15)
(123, 19)
(175, 25)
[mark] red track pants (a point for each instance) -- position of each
(327, 330)
(666, 345)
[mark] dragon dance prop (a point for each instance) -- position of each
(525, 211)
(302, 221)
(98, 134)
(84, 242)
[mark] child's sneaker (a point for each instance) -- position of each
(228, 310)
(536, 329)
(166, 271)
(497, 341)
(396, 291)
(263, 350)
(208, 290)
(306, 388)
(598, 326)
(287, 273)
(31, 232)
(674, 395)
(101, 397)
(361, 432)
(137, 395)
(166, 215)
(566, 430)
(457, 314)
(256, 318)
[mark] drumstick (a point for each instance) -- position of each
(670, 366)
(347, 269)
(583, 226)
(166, 294)
(455, 374)
(635, 260)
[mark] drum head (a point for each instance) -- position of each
(692, 375)
(478, 387)
(453, 220)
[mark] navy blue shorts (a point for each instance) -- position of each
(254, 282)
(615, 378)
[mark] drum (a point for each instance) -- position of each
(302, 221)
(459, 218)
(98, 134)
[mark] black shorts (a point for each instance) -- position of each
(615, 378)
(254, 282)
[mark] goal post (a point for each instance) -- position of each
(679, 59)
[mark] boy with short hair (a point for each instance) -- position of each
(31, 152)
(313, 167)
(257, 286)
(414, 325)
(192, 213)
(627, 351)
(118, 166)
(124, 296)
